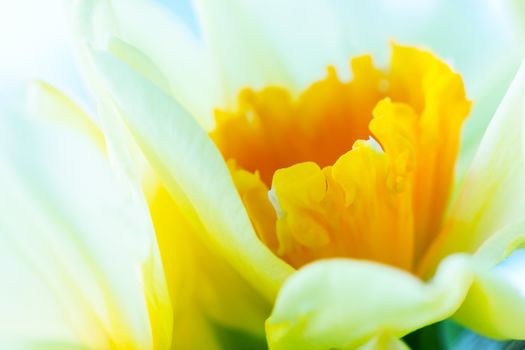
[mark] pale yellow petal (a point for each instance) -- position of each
(495, 306)
(45, 101)
(207, 295)
(346, 303)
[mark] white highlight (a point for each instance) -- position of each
(375, 145)
(275, 203)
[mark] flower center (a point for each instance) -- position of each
(359, 169)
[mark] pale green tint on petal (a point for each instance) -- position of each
(149, 32)
(94, 25)
(384, 342)
(503, 243)
(259, 43)
(495, 304)
(194, 172)
(140, 62)
(494, 307)
(183, 58)
(485, 103)
(73, 240)
(493, 192)
(343, 304)
(519, 13)
(91, 25)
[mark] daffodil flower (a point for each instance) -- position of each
(329, 202)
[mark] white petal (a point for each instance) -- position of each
(193, 170)
(150, 34)
(77, 242)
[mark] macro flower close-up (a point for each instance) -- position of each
(282, 175)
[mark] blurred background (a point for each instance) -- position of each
(35, 43)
